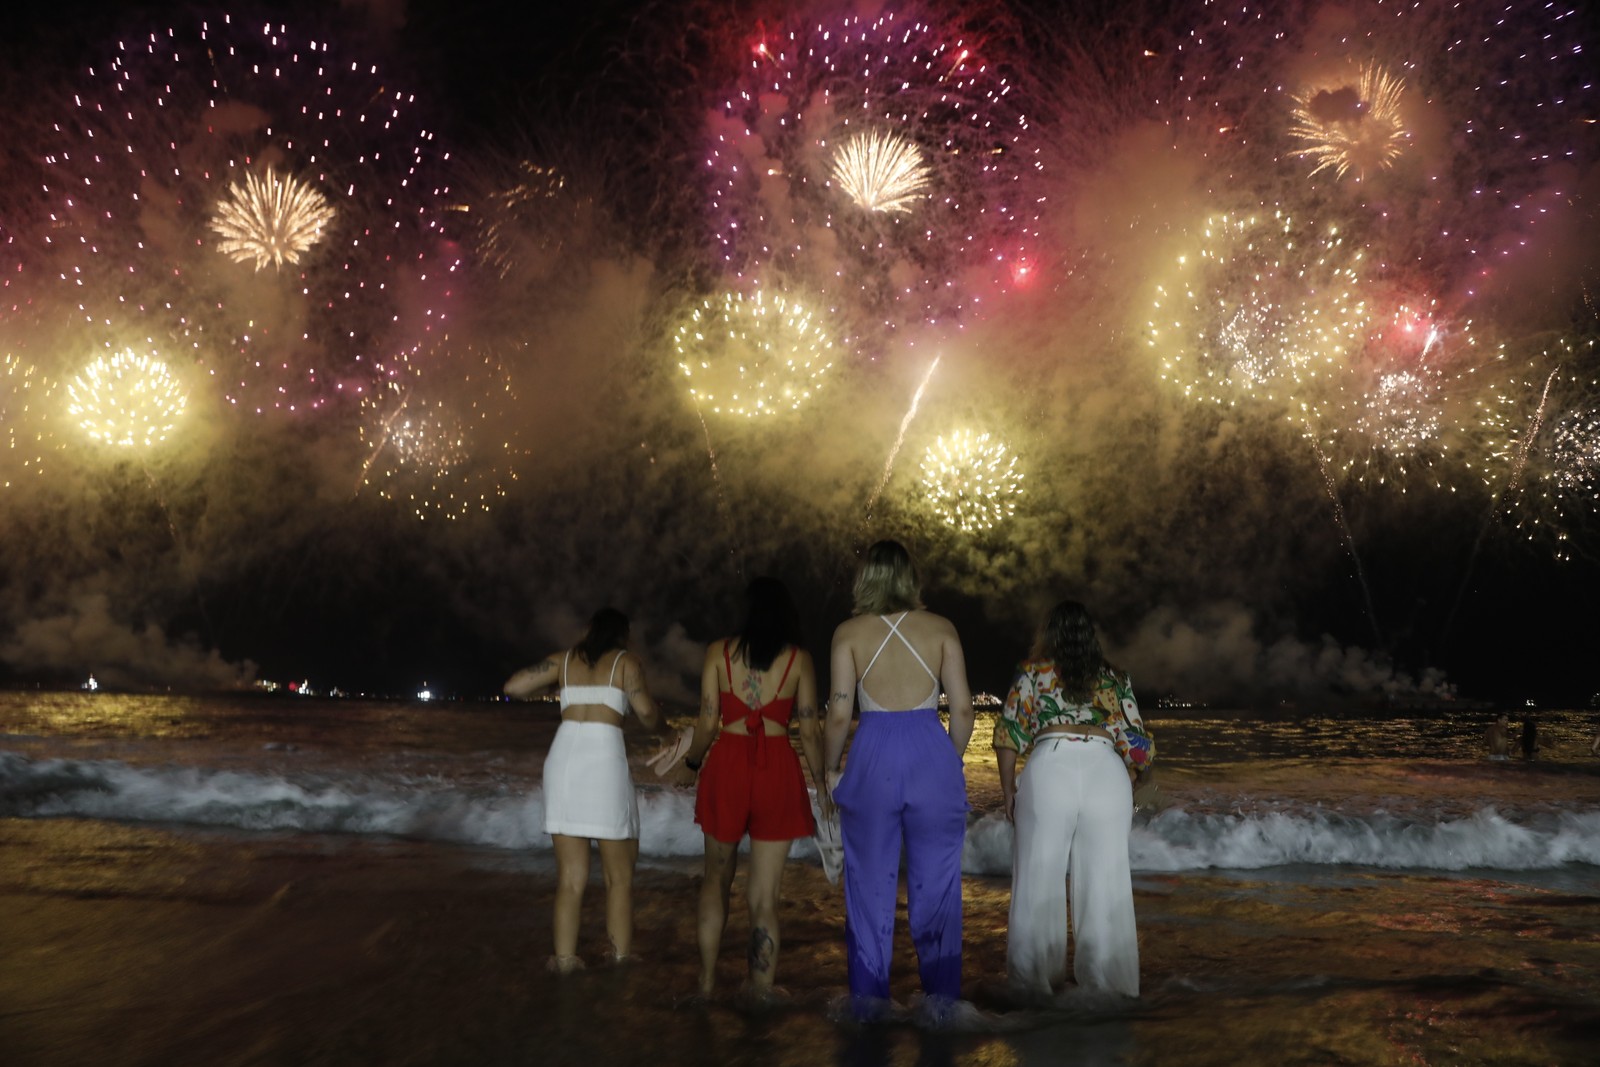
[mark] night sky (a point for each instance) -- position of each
(1292, 431)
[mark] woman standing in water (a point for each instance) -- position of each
(904, 782)
(1074, 717)
(588, 792)
(751, 783)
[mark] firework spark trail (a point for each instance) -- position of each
(905, 423)
(736, 546)
(1535, 421)
(1349, 539)
(387, 423)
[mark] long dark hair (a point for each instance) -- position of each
(608, 629)
(771, 621)
(1068, 640)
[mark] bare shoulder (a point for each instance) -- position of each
(848, 629)
(936, 624)
(630, 664)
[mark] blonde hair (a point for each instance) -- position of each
(887, 581)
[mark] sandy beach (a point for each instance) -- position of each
(151, 945)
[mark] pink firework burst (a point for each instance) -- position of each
(881, 161)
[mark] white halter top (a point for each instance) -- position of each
(867, 703)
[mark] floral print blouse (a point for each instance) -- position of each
(1036, 702)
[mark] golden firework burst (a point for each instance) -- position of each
(126, 400)
(971, 480)
(1352, 128)
(882, 172)
(761, 355)
(270, 219)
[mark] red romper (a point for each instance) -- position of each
(752, 784)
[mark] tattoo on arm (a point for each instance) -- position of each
(838, 696)
(542, 666)
(806, 712)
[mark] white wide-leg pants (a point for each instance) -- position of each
(1073, 816)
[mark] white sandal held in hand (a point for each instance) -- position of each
(671, 754)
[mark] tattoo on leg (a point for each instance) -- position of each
(761, 950)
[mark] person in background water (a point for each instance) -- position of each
(751, 782)
(1498, 738)
(904, 782)
(588, 792)
(1075, 718)
(1530, 735)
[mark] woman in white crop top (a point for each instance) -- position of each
(588, 792)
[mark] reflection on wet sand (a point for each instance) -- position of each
(148, 945)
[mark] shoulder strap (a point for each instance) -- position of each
(611, 679)
(793, 654)
(727, 658)
(882, 644)
(564, 660)
(913, 650)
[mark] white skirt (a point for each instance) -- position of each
(1074, 813)
(587, 789)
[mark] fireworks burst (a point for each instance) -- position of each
(518, 220)
(970, 481)
(764, 355)
(436, 433)
(1488, 103)
(1352, 128)
(1549, 448)
(126, 400)
(1413, 397)
(1259, 306)
(881, 172)
(907, 121)
(270, 220)
(215, 134)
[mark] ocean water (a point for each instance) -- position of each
(1351, 888)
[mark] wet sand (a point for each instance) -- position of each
(149, 945)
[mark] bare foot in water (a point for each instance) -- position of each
(563, 964)
(764, 998)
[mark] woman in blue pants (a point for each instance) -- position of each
(904, 783)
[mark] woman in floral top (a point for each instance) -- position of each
(1075, 718)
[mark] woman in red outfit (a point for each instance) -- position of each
(751, 783)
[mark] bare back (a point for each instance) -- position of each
(896, 674)
(889, 671)
(753, 688)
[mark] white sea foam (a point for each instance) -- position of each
(510, 816)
